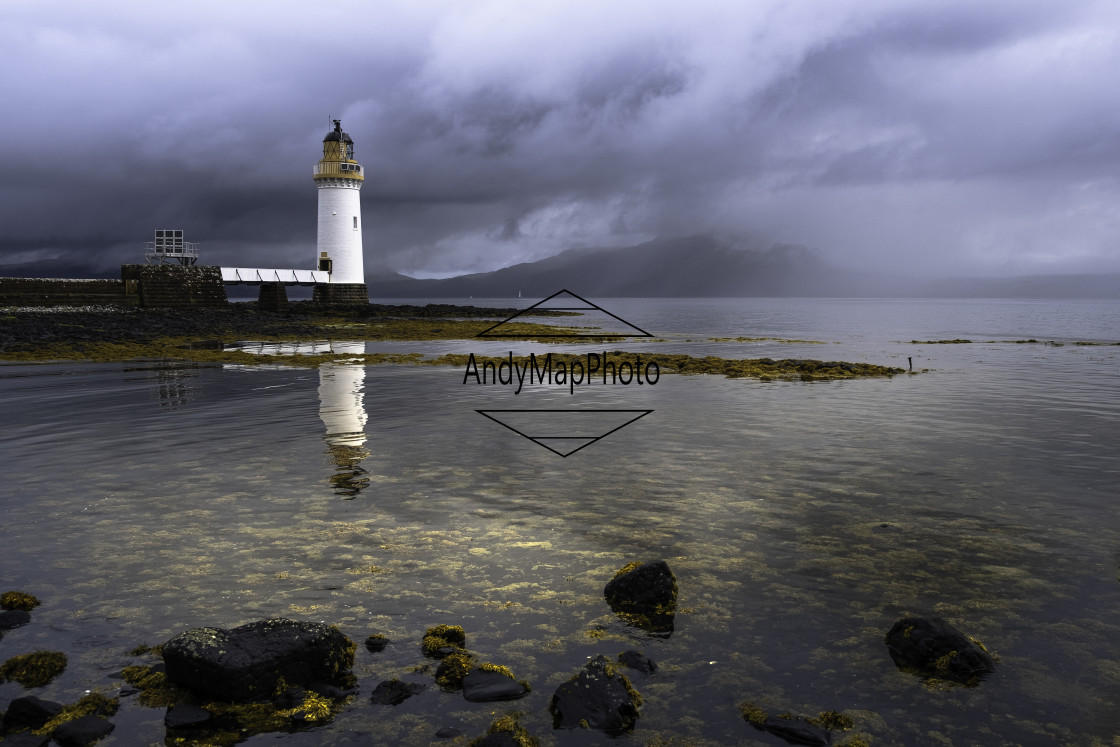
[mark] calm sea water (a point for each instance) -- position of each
(801, 519)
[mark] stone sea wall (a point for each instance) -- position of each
(174, 286)
(58, 292)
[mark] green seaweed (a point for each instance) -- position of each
(452, 669)
(35, 669)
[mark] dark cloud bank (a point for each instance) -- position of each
(923, 139)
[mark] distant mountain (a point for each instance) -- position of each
(706, 266)
(679, 267)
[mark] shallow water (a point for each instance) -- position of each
(801, 519)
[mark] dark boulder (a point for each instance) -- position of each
(644, 595)
(488, 682)
(29, 712)
(247, 662)
(599, 698)
(82, 731)
(394, 692)
(931, 647)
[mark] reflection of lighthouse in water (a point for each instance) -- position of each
(342, 409)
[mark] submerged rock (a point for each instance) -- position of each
(932, 647)
(645, 595)
(187, 716)
(82, 731)
(812, 732)
(637, 660)
(29, 712)
(247, 662)
(506, 732)
(13, 619)
(599, 697)
(394, 692)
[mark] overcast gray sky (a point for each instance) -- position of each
(922, 136)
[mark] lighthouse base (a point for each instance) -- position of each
(341, 294)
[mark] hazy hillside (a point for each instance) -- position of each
(698, 266)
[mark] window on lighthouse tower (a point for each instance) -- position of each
(355, 223)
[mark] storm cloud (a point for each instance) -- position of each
(929, 136)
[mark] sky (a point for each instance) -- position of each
(922, 137)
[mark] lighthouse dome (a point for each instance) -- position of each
(337, 135)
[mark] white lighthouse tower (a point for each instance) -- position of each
(339, 179)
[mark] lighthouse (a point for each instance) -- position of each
(339, 241)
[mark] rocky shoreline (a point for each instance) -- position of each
(221, 686)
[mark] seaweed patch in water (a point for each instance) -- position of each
(35, 669)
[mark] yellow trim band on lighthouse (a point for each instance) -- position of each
(338, 158)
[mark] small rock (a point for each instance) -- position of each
(637, 660)
(485, 685)
(933, 648)
(448, 732)
(82, 731)
(376, 643)
(394, 692)
(599, 697)
(29, 712)
(186, 716)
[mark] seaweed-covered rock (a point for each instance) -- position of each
(35, 669)
(441, 640)
(931, 647)
(394, 692)
(13, 619)
(506, 732)
(82, 731)
(599, 697)
(29, 712)
(18, 600)
(247, 662)
(812, 732)
(452, 669)
(488, 682)
(645, 595)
